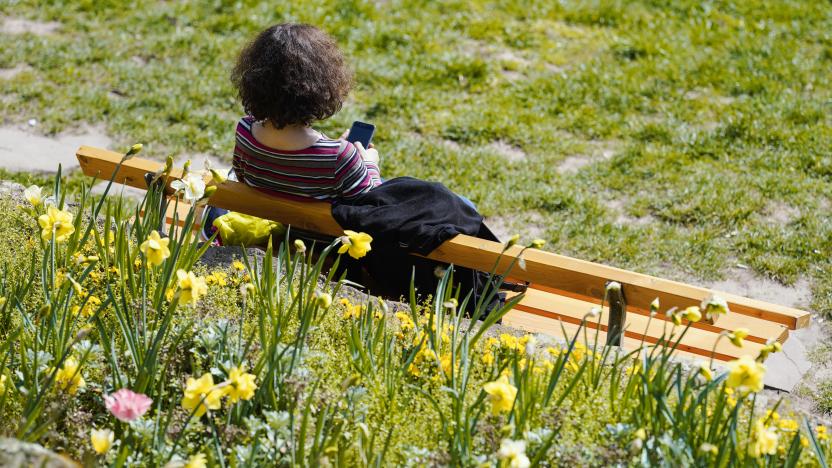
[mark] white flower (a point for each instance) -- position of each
(192, 185)
(514, 452)
(34, 194)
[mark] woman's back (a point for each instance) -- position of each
(326, 170)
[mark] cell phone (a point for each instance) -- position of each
(362, 132)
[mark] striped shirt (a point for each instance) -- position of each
(328, 170)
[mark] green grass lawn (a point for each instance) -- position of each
(677, 138)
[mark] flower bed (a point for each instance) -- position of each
(119, 348)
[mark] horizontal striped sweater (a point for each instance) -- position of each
(328, 170)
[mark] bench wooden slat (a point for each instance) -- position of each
(696, 340)
(533, 323)
(557, 273)
(760, 330)
(588, 279)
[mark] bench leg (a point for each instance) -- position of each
(148, 178)
(618, 312)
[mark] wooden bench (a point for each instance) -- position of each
(562, 289)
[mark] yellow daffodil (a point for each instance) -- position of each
(705, 372)
(197, 461)
(675, 316)
(357, 244)
(501, 393)
(34, 195)
(746, 375)
(201, 395)
(788, 425)
(765, 441)
(69, 377)
(102, 440)
(772, 346)
(191, 287)
(57, 221)
(737, 336)
(241, 385)
(692, 314)
(155, 248)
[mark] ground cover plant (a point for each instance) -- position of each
(118, 349)
(678, 138)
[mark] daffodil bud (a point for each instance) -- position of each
(692, 314)
(538, 243)
(654, 306)
(324, 300)
(186, 168)
(209, 191)
(300, 247)
(513, 240)
(217, 177)
(168, 164)
(135, 149)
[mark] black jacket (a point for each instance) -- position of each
(407, 215)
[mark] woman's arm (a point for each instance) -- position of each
(354, 174)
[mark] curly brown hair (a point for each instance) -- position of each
(292, 74)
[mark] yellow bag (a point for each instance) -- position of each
(247, 230)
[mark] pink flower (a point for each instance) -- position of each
(127, 405)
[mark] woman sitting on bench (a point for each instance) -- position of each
(292, 75)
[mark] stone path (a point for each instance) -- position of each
(22, 148)
(786, 369)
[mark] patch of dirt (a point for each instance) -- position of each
(618, 207)
(508, 151)
(22, 149)
(709, 96)
(778, 212)
(9, 73)
(598, 151)
(744, 282)
(530, 225)
(23, 26)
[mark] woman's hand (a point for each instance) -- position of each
(370, 154)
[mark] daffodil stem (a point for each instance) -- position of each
(217, 444)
